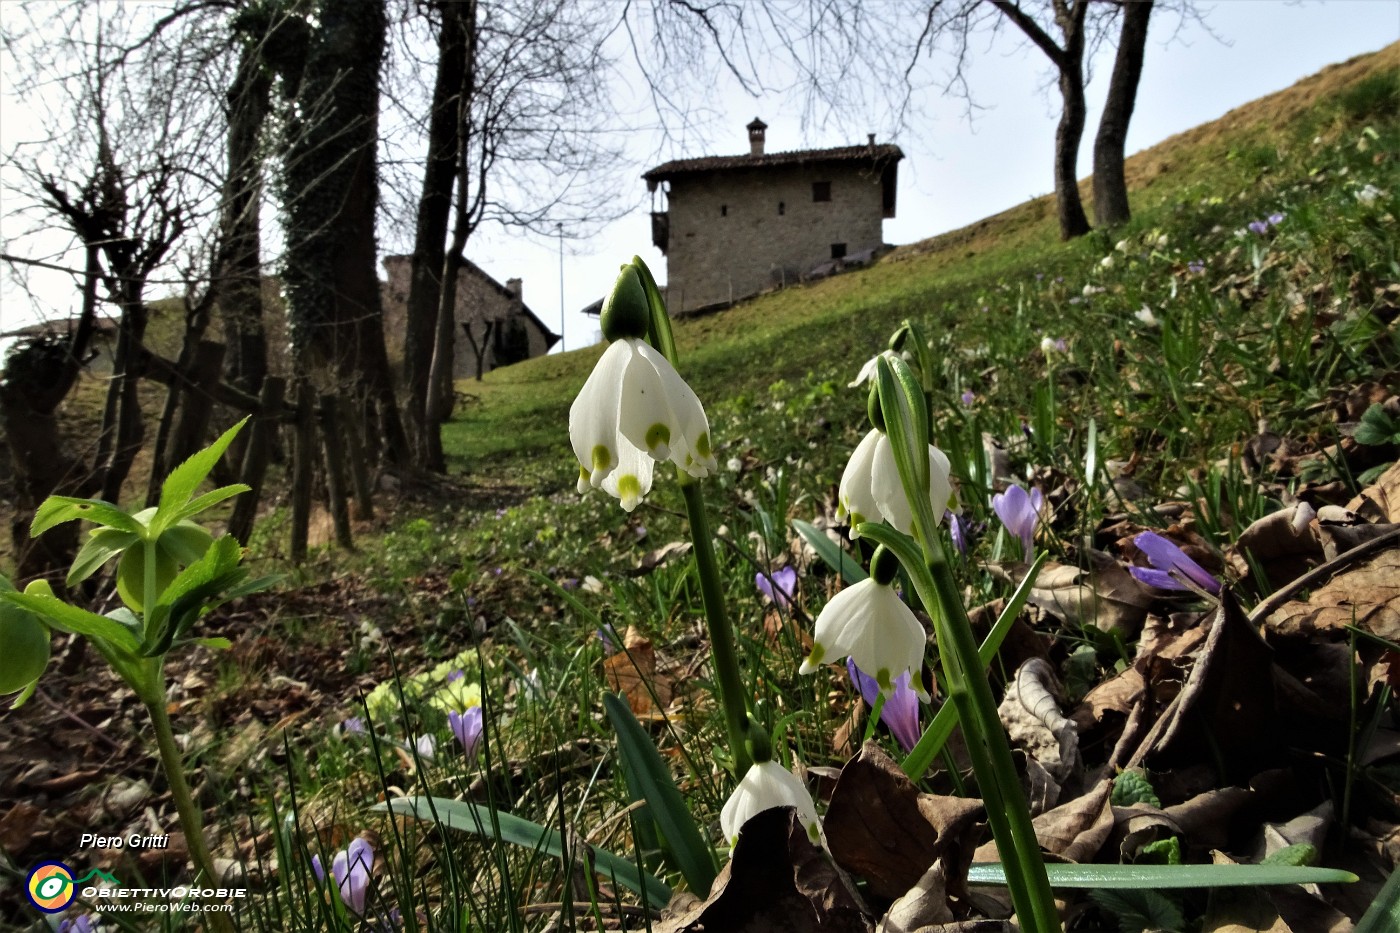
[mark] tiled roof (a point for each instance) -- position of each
(877, 154)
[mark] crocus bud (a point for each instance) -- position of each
(626, 310)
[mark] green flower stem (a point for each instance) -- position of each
(902, 404)
(726, 661)
(190, 819)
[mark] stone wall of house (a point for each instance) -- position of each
(512, 335)
(739, 232)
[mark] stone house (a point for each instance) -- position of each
(101, 347)
(738, 225)
(494, 325)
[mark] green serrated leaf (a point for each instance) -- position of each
(211, 499)
(1140, 911)
(55, 510)
(1162, 852)
(1297, 854)
(101, 546)
(1377, 428)
(469, 817)
(829, 551)
(179, 487)
(68, 618)
(1132, 787)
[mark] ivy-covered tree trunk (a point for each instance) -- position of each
(330, 194)
(239, 270)
(1110, 186)
(434, 212)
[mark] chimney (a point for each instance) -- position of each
(513, 286)
(870, 140)
(756, 129)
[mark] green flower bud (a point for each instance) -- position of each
(884, 566)
(626, 310)
(872, 407)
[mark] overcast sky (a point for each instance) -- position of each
(956, 171)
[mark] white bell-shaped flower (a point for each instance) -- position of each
(634, 409)
(870, 623)
(870, 489)
(766, 785)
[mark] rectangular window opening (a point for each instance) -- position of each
(838, 250)
(821, 191)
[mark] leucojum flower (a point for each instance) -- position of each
(870, 489)
(765, 785)
(635, 409)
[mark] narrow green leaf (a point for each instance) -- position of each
(55, 510)
(1167, 876)
(829, 551)
(182, 482)
(1383, 916)
(473, 818)
(70, 618)
(209, 500)
(100, 547)
(692, 856)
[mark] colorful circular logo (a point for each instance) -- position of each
(50, 886)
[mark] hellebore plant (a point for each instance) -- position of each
(169, 572)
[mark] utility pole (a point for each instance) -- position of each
(560, 227)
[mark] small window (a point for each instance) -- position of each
(724, 210)
(821, 191)
(838, 250)
(782, 208)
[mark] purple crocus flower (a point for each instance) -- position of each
(1196, 266)
(1019, 511)
(1275, 219)
(1168, 563)
(780, 586)
(355, 725)
(1260, 227)
(968, 397)
(957, 527)
(86, 923)
(453, 676)
(351, 870)
(608, 636)
(467, 728)
(900, 714)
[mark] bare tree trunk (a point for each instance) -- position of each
(1069, 206)
(238, 270)
(434, 213)
(479, 349)
(1110, 186)
(123, 426)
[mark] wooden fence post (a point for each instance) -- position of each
(335, 470)
(359, 469)
(255, 457)
(303, 458)
(196, 403)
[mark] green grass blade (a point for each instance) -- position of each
(682, 838)
(1384, 913)
(1169, 876)
(470, 817)
(828, 550)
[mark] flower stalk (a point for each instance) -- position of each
(927, 566)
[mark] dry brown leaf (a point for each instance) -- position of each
(881, 828)
(776, 882)
(1106, 597)
(653, 559)
(1285, 544)
(1033, 719)
(632, 672)
(1074, 831)
(1380, 502)
(1367, 596)
(922, 906)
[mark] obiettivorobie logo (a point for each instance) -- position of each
(51, 886)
